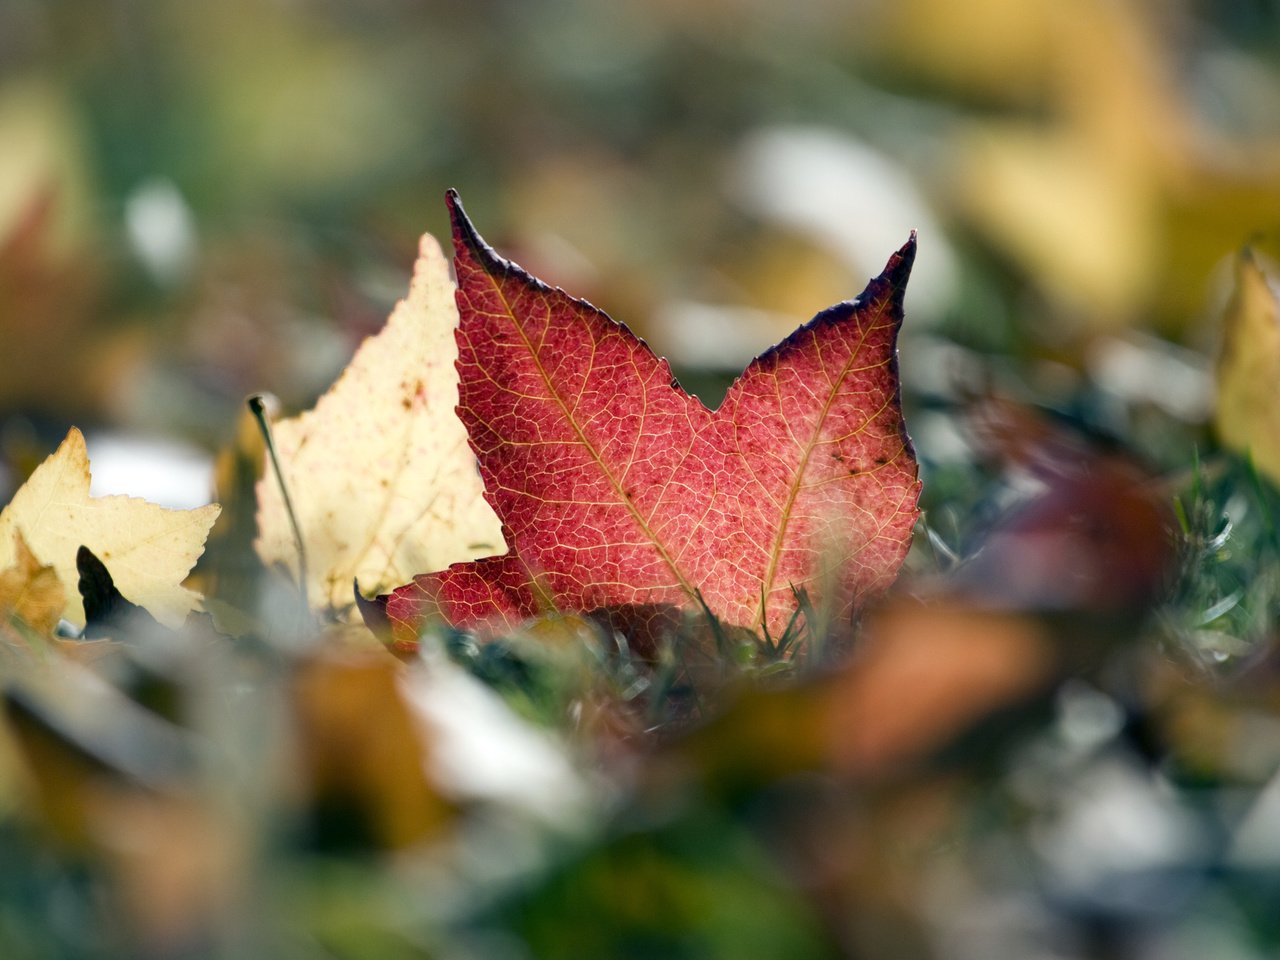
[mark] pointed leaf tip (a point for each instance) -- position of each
(900, 263)
(470, 246)
(373, 610)
(465, 235)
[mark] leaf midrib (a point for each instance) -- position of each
(793, 492)
(618, 488)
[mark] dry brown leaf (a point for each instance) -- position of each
(361, 747)
(149, 549)
(382, 479)
(30, 590)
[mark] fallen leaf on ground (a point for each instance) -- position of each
(1248, 415)
(149, 548)
(620, 491)
(382, 481)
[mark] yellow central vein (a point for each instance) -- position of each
(793, 493)
(582, 438)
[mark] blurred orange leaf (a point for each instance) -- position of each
(362, 749)
(30, 590)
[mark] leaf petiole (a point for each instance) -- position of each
(258, 407)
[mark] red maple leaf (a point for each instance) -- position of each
(619, 492)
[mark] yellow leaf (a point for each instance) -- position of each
(1078, 223)
(1248, 416)
(30, 590)
(148, 549)
(1111, 183)
(383, 482)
